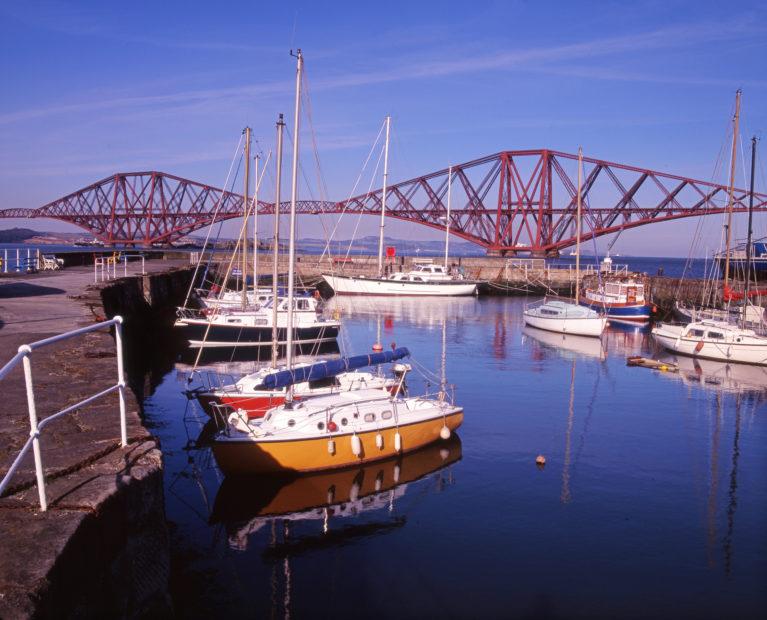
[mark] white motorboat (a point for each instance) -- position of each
(714, 340)
(564, 317)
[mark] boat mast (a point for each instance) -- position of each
(731, 190)
(447, 221)
(255, 230)
(245, 209)
(292, 233)
(276, 241)
(383, 199)
(578, 228)
(750, 231)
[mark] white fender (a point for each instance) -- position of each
(356, 445)
(397, 442)
(444, 432)
(379, 441)
(331, 446)
(354, 492)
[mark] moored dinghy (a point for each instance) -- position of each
(568, 317)
(565, 318)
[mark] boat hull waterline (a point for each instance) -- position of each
(344, 285)
(670, 336)
(576, 326)
(195, 330)
(237, 457)
(638, 313)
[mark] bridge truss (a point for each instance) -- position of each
(510, 202)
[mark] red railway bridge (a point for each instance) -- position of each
(509, 203)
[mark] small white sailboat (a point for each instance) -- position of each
(715, 338)
(343, 429)
(568, 317)
(258, 317)
(425, 280)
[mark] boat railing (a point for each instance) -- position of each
(24, 357)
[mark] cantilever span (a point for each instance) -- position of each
(510, 202)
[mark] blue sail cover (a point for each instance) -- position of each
(331, 368)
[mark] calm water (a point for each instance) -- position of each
(652, 502)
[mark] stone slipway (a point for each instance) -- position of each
(101, 549)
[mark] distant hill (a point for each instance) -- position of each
(369, 245)
(17, 235)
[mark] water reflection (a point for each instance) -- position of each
(639, 463)
(718, 376)
(334, 501)
(567, 345)
(413, 310)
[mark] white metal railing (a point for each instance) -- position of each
(105, 267)
(24, 356)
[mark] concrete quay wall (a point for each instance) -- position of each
(102, 548)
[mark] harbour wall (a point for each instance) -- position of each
(101, 549)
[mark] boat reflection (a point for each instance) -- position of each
(624, 339)
(720, 376)
(566, 345)
(245, 505)
(418, 311)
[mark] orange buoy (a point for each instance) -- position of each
(377, 347)
(540, 460)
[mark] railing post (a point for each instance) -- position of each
(121, 379)
(33, 430)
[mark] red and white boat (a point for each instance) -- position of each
(250, 395)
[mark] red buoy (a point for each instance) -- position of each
(332, 426)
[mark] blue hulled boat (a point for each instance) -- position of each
(620, 299)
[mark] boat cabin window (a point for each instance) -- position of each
(612, 289)
(695, 333)
(370, 417)
(548, 312)
(344, 421)
(320, 425)
(301, 304)
(234, 321)
(716, 335)
(291, 422)
(386, 415)
(322, 383)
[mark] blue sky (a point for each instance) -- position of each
(91, 88)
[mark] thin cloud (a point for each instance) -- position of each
(536, 59)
